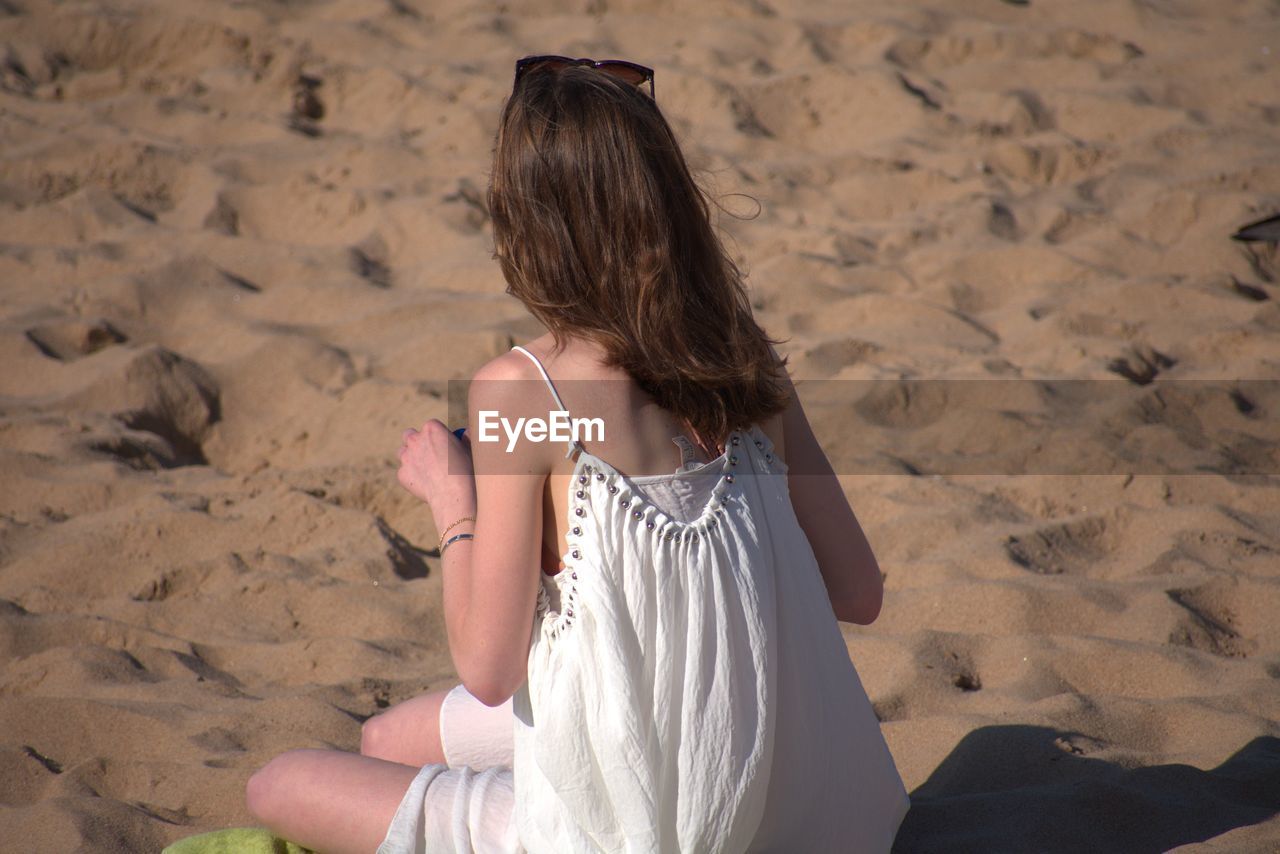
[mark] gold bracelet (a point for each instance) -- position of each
(454, 539)
(443, 533)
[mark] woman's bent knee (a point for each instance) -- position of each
(268, 791)
(408, 732)
(375, 738)
(259, 791)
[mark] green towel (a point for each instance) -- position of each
(236, 840)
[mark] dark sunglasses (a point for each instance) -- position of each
(628, 72)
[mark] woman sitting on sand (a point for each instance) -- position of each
(676, 680)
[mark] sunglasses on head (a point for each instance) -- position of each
(628, 72)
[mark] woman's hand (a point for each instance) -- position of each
(436, 466)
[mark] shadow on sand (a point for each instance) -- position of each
(1032, 789)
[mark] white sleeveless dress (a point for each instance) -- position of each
(689, 689)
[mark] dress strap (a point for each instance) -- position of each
(574, 444)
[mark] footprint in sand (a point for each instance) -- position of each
(68, 339)
(951, 657)
(151, 391)
(1058, 549)
(1211, 623)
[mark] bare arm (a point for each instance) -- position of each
(490, 583)
(495, 619)
(849, 568)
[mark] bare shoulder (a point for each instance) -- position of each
(508, 390)
(510, 381)
(511, 365)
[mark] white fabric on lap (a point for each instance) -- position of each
(468, 805)
(455, 811)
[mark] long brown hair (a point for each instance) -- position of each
(603, 234)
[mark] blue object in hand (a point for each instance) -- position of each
(459, 432)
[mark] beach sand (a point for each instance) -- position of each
(244, 245)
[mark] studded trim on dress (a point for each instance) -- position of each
(597, 487)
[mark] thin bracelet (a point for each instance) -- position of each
(454, 539)
(451, 527)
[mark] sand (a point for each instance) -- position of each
(243, 245)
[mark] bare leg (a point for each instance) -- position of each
(328, 800)
(408, 732)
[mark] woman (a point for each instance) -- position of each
(650, 660)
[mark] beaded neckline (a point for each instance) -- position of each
(625, 489)
(593, 475)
